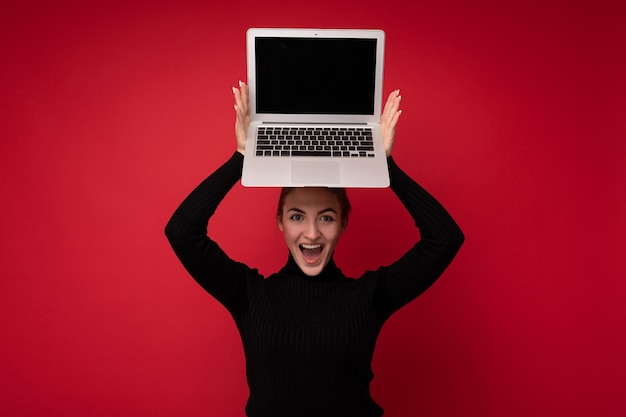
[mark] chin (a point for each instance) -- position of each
(311, 270)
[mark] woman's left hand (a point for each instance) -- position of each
(242, 115)
(389, 120)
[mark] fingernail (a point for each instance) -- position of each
(398, 92)
(240, 83)
(234, 90)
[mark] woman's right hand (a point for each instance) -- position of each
(242, 115)
(389, 120)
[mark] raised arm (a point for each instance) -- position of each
(440, 236)
(440, 240)
(187, 228)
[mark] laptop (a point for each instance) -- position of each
(315, 106)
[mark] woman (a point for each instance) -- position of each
(308, 331)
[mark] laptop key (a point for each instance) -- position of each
(311, 153)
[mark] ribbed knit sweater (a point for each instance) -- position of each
(309, 341)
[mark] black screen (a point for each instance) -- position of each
(315, 76)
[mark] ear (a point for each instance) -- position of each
(279, 223)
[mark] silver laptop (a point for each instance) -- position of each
(315, 105)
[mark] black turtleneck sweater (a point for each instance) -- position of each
(309, 341)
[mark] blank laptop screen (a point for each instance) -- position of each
(315, 76)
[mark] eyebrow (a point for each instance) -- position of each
(297, 210)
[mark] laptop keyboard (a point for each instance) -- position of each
(315, 141)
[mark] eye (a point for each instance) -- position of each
(327, 218)
(296, 217)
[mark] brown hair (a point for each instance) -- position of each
(340, 193)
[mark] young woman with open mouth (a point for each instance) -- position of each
(308, 331)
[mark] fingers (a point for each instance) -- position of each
(391, 112)
(245, 99)
(392, 98)
(242, 99)
(242, 107)
(396, 117)
(393, 101)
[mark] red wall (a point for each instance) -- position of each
(513, 118)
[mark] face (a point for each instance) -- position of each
(311, 225)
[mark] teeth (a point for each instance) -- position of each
(310, 246)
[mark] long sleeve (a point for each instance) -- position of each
(440, 240)
(202, 257)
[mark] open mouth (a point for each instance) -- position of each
(311, 253)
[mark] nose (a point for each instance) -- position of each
(312, 230)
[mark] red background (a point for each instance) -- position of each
(513, 118)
